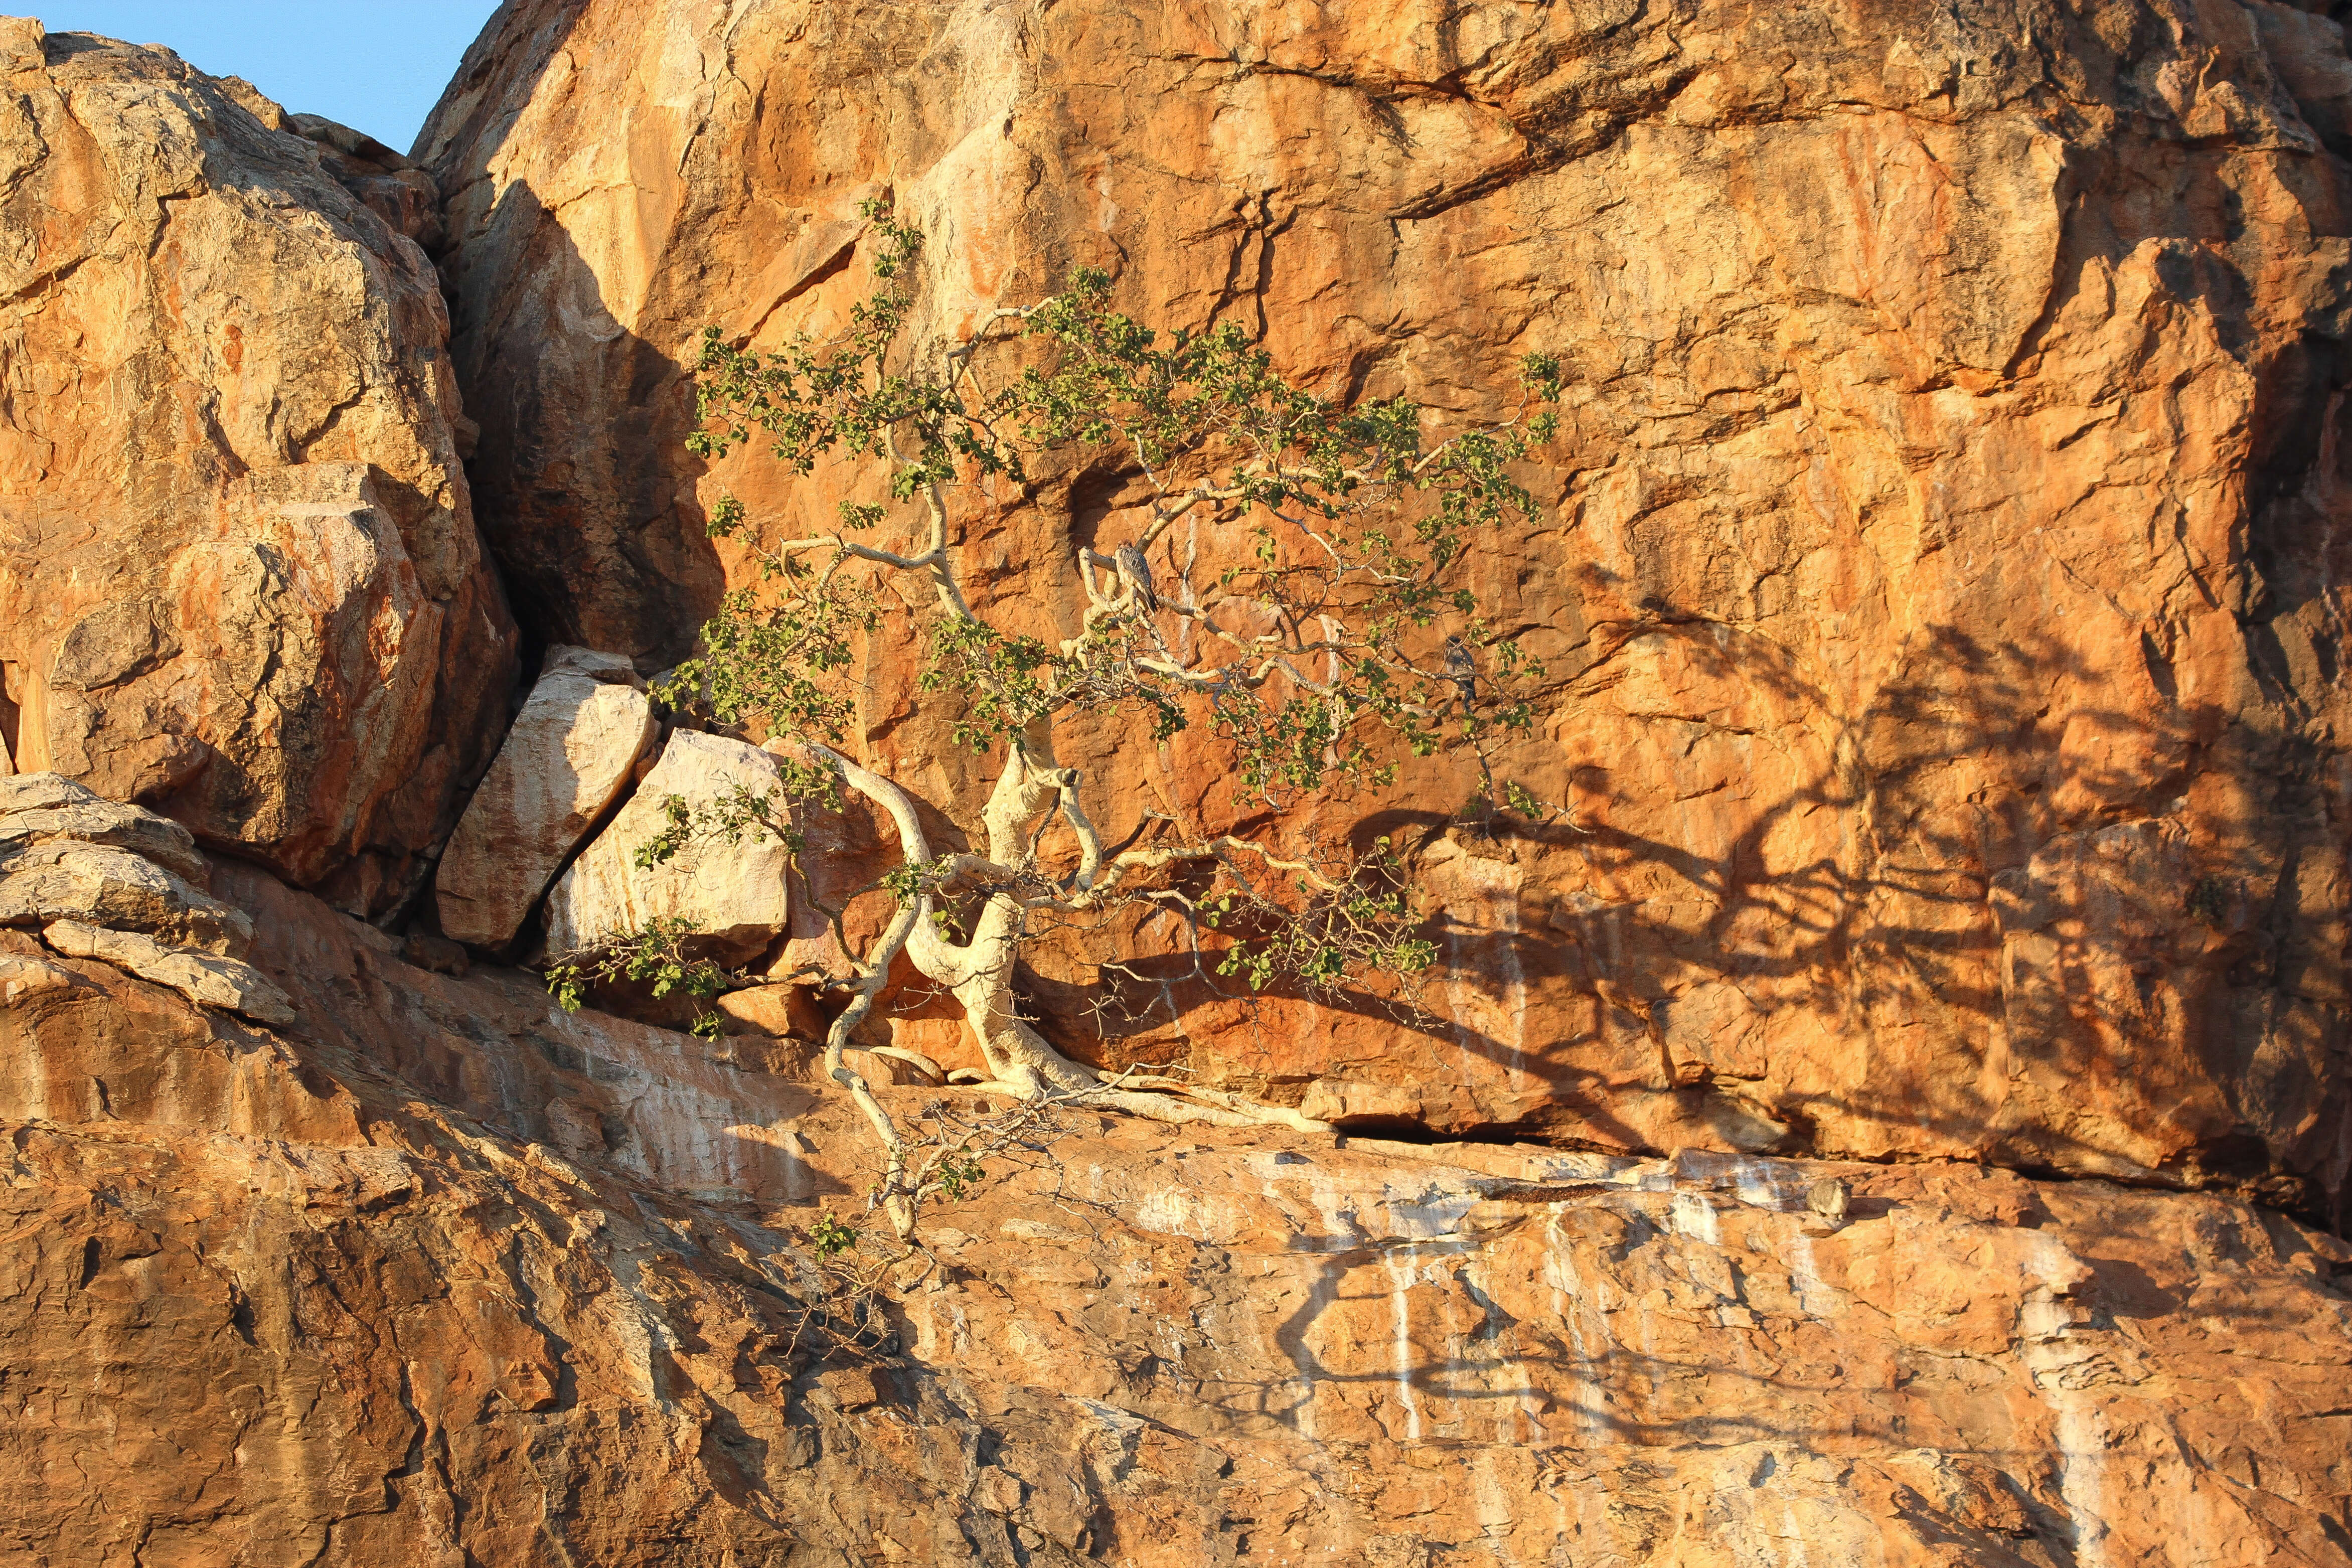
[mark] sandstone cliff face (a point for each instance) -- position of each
(441, 1276)
(1939, 566)
(240, 578)
(1939, 562)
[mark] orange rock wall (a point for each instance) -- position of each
(1938, 563)
(1939, 572)
(444, 1275)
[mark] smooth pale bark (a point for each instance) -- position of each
(979, 971)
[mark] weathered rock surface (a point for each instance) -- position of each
(1937, 564)
(444, 1274)
(240, 579)
(734, 893)
(69, 858)
(207, 979)
(46, 808)
(774, 1010)
(393, 188)
(95, 885)
(566, 758)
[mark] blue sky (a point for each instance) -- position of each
(375, 65)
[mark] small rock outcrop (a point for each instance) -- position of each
(777, 1010)
(102, 880)
(47, 808)
(394, 188)
(210, 980)
(239, 580)
(94, 884)
(566, 758)
(734, 893)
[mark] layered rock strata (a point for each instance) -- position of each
(240, 579)
(568, 756)
(100, 880)
(443, 1275)
(1936, 563)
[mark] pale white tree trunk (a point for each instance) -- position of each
(978, 970)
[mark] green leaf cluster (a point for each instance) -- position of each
(1320, 658)
(659, 951)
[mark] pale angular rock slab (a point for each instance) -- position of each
(98, 885)
(98, 877)
(68, 854)
(566, 760)
(734, 893)
(206, 979)
(42, 809)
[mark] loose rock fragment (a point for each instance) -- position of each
(566, 760)
(734, 893)
(204, 978)
(40, 808)
(97, 884)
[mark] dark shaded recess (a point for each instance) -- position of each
(542, 513)
(9, 715)
(532, 505)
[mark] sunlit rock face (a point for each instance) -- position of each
(1937, 569)
(103, 880)
(239, 580)
(255, 1273)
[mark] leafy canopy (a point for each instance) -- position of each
(1342, 639)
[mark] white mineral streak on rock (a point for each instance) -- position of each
(1694, 1217)
(565, 762)
(2045, 1319)
(1576, 1306)
(1401, 1265)
(734, 893)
